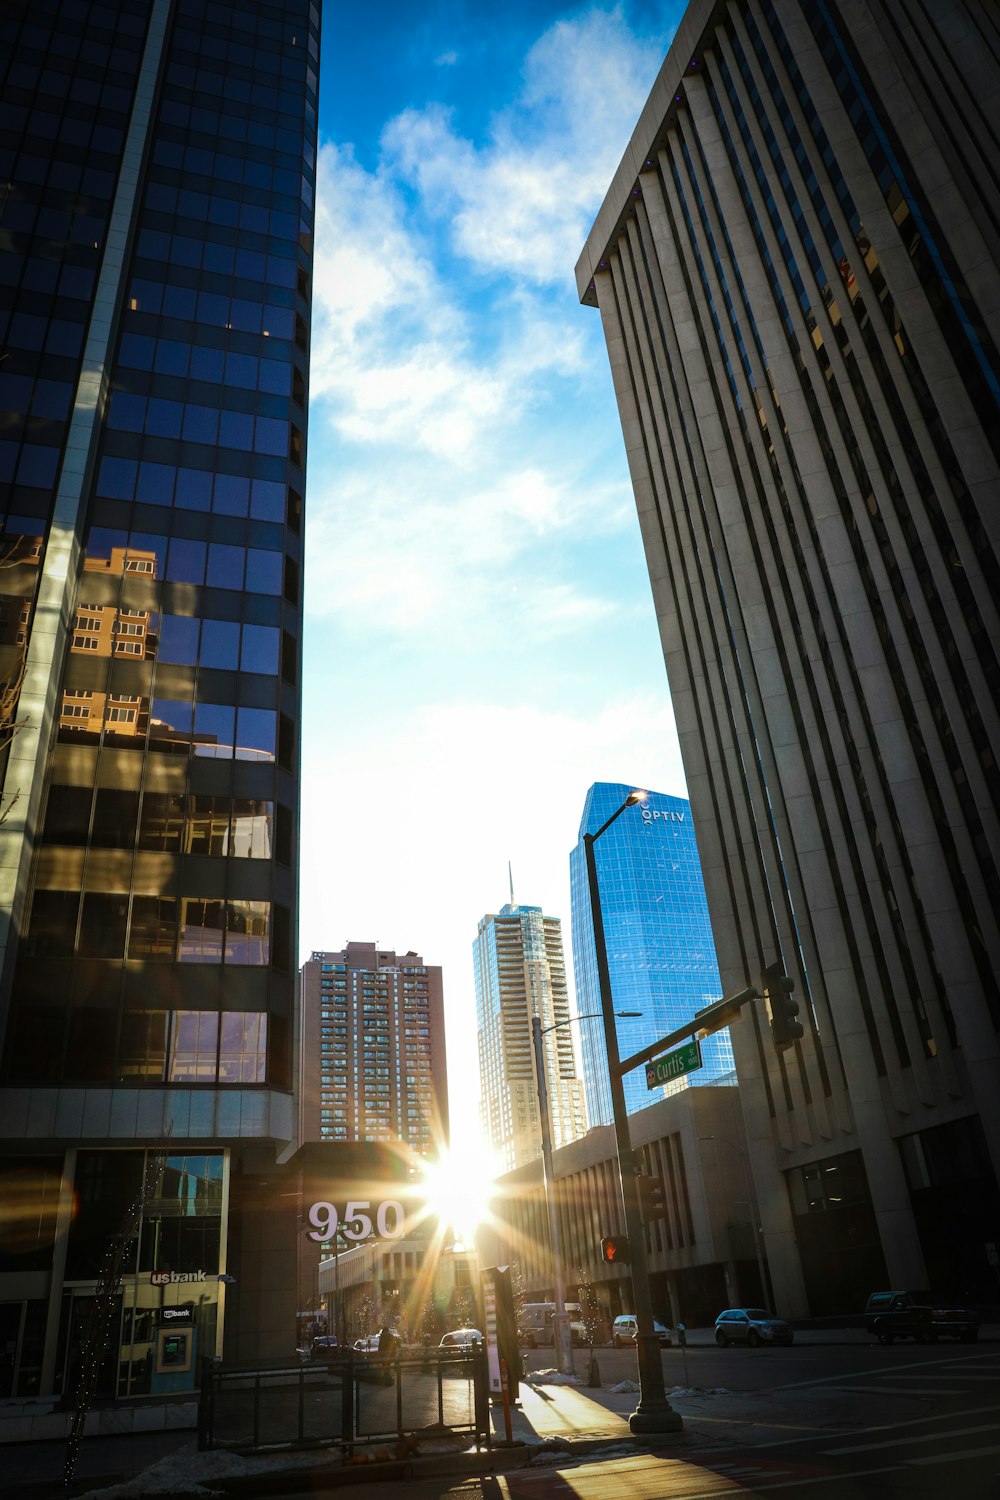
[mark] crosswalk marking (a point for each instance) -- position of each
(951, 1458)
(929, 1437)
(887, 1390)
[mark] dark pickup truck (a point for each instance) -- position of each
(923, 1316)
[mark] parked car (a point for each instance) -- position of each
(924, 1316)
(323, 1347)
(460, 1338)
(367, 1345)
(623, 1331)
(751, 1326)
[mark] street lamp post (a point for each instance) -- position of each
(752, 1209)
(563, 1344)
(561, 1337)
(653, 1412)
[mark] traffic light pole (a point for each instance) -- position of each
(653, 1412)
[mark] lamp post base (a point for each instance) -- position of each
(654, 1412)
(645, 1422)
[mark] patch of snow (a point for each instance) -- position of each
(624, 1386)
(553, 1377)
(188, 1472)
(699, 1390)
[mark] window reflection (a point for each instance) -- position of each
(251, 833)
(52, 929)
(220, 644)
(243, 1048)
(256, 730)
(67, 816)
(153, 929)
(102, 924)
(202, 931)
(248, 932)
(162, 822)
(116, 814)
(194, 1040)
(171, 724)
(142, 1049)
(213, 730)
(208, 825)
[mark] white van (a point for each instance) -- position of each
(624, 1328)
(535, 1320)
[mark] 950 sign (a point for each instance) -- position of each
(357, 1221)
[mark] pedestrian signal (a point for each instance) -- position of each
(614, 1249)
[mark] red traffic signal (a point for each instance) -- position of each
(776, 988)
(614, 1249)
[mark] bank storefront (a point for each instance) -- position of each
(63, 1220)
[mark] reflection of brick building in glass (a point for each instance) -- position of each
(157, 244)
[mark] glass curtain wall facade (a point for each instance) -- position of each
(661, 956)
(162, 877)
(155, 284)
(797, 277)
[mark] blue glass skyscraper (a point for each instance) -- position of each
(661, 955)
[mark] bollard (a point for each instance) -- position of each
(505, 1395)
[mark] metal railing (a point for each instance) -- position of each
(346, 1399)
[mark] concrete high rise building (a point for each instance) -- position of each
(661, 957)
(159, 159)
(796, 270)
(521, 972)
(372, 1047)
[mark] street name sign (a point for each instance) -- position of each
(664, 1069)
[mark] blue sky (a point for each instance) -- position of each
(480, 639)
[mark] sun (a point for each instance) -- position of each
(459, 1188)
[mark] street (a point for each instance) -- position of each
(844, 1422)
(818, 1421)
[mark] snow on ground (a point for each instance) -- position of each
(188, 1472)
(552, 1377)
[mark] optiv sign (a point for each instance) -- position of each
(653, 815)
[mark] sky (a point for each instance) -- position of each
(481, 644)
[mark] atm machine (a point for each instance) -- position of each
(174, 1351)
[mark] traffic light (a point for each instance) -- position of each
(776, 988)
(614, 1249)
(652, 1201)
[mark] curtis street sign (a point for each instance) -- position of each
(685, 1060)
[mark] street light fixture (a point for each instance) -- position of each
(653, 1412)
(561, 1339)
(751, 1208)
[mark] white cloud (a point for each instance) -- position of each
(522, 204)
(423, 548)
(395, 354)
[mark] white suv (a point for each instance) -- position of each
(623, 1331)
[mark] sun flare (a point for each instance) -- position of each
(459, 1188)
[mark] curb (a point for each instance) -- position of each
(339, 1476)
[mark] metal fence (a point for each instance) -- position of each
(346, 1399)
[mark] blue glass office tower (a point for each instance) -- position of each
(661, 954)
(158, 162)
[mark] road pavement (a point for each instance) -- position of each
(817, 1420)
